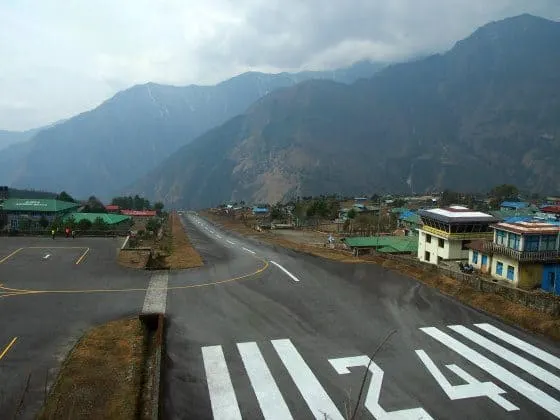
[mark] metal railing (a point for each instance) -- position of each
(465, 235)
(524, 256)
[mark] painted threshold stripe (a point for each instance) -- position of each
(156, 295)
(523, 387)
(248, 250)
(8, 347)
(82, 256)
(294, 278)
(6, 258)
(229, 242)
(311, 390)
(268, 395)
(509, 356)
(222, 396)
(520, 344)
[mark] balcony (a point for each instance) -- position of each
(522, 256)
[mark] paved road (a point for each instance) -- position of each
(283, 335)
(42, 327)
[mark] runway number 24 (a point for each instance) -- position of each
(472, 388)
(341, 365)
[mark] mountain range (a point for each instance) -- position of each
(102, 151)
(484, 113)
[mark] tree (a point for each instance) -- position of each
(64, 196)
(505, 192)
(84, 224)
(448, 198)
(153, 225)
(399, 202)
(158, 207)
(352, 213)
(99, 224)
(93, 205)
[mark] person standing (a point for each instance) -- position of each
(53, 232)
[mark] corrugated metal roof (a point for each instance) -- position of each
(139, 213)
(37, 204)
(110, 219)
(515, 204)
(396, 243)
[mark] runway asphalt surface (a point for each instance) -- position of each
(295, 340)
(263, 332)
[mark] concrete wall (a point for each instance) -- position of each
(478, 265)
(451, 249)
(506, 262)
(530, 276)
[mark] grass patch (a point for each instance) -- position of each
(492, 303)
(180, 254)
(102, 376)
(136, 258)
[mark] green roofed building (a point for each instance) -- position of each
(33, 212)
(113, 220)
(383, 244)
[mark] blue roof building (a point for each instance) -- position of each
(513, 205)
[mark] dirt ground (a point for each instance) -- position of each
(512, 312)
(182, 254)
(101, 378)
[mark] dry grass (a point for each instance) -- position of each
(101, 378)
(495, 304)
(182, 254)
(134, 258)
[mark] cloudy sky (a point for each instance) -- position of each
(61, 57)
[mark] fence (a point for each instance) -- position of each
(540, 301)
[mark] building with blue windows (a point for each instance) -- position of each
(524, 253)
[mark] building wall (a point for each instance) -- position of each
(480, 257)
(451, 249)
(506, 262)
(550, 280)
(530, 276)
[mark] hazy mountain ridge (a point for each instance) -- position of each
(103, 150)
(484, 113)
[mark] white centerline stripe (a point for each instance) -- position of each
(515, 382)
(294, 278)
(218, 236)
(248, 250)
(520, 344)
(222, 396)
(509, 356)
(156, 295)
(311, 390)
(229, 242)
(268, 395)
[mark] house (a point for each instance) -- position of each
(19, 211)
(506, 213)
(139, 213)
(114, 221)
(551, 210)
(410, 221)
(112, 208)
(513, 205)
(260, 211)
(445, 232)
(383, 244)
(525, 254)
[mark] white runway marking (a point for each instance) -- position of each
(294, 278)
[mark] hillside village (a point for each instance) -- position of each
(501, 237)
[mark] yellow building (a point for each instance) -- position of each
(446, 232)
(525, 254)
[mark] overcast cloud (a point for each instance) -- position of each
(61, 57)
